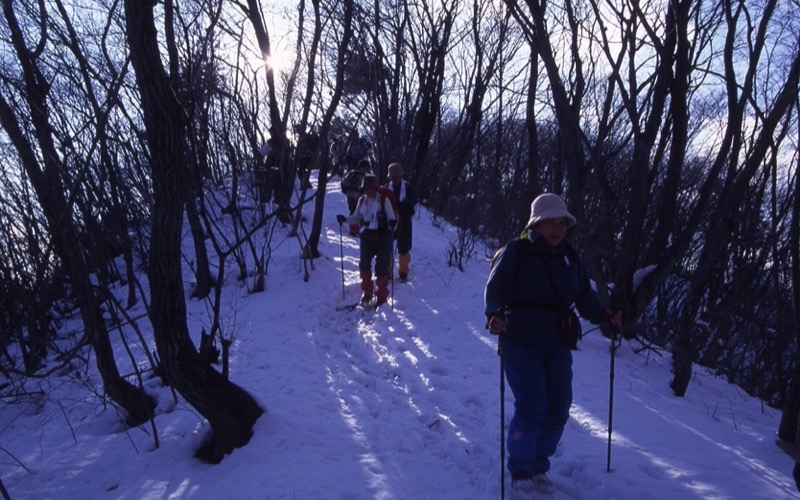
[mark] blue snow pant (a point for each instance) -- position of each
(541, 381)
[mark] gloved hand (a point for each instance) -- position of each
(612, 315)
(341, 219)
(496, 323)
(392, 224)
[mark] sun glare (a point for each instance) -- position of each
(279, 62)
(275, 62)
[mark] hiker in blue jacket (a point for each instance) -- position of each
(533, 284)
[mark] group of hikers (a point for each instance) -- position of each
(535, 282)
(346, 151)
(379, 215)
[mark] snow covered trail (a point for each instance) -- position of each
(394, 381)
(393, 404)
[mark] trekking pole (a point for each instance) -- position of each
(614, 336)
(341, 254)
(502, 418)
(391, 270)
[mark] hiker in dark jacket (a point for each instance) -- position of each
(357, 149)
(406, 196)
(351, 184)
(532, 283)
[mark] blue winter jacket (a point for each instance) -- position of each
(519, 287)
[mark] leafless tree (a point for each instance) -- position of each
(629, 127)
(231, 411)
(55, 187)
(670, 127)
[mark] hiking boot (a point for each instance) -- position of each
(543, 483)
(403, 277)
(380, 301)
(366, 298)
(527, 487)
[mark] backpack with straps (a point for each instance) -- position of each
(383, 219)
(570, 326)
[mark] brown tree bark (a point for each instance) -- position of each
(230, 410)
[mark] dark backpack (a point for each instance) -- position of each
(571, 331)
(524, 240)
(350, 184)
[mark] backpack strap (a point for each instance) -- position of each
(560, 304)
(525, 250)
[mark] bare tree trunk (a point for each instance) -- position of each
(277, 124)
(789, 429)
(231, 411)
(319, 203)
(717, 236)
(571, 172)
(451, 159)
(532, 128)
(203, 279)
(194, 203)
(386, 85)
(430, 57)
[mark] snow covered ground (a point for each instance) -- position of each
(401, 403)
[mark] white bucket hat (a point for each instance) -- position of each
(395, 169)
(549, 206)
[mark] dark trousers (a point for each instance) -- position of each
(381, 251)
(351, 204)
(404, 235)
